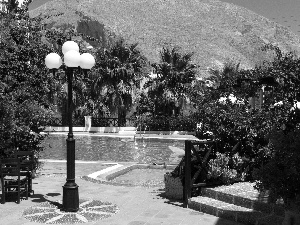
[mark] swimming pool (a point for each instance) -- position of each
(106, 148)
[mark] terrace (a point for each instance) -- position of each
(191, 148)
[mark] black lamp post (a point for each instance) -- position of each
(72, 59)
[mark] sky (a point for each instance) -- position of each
(284, 12)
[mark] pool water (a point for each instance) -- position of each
(104, 148)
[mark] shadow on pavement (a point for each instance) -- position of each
(41, 198)
(161, 194)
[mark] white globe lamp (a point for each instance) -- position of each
(70, 45)
(53, 61)
(87, 61)
(72, 58)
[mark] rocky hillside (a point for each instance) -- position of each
(214, 30)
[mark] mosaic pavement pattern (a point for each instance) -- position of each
(89, 210)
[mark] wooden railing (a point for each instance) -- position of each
(202, 150)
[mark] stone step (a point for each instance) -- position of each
(244, 196)
(233, 212)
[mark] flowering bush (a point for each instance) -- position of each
(280, 172)
(237, 130)
(225, 170)
(242, 129)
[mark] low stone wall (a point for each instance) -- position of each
(93, 129)
(119, 130)
(124, 170)
(173, 187)
(166, 132)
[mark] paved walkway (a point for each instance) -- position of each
(136, 205)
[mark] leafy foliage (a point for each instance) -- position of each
(266, 138)
(165, 123)
(225, 170)
(173, 77)
(25, 106)
(119, 70)
(280, 173)
(239, 128)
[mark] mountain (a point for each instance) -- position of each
(215, 31)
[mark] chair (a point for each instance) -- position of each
(11, 179)
(27, 166)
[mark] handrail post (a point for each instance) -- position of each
(188, 172)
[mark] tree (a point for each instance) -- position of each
(280, 174)
(12, 8)
(117, 73)
(22, 60)
(268, 138)
(173, 77)
(24, 82)
(226, 76)
(25, 45)
(223, 110)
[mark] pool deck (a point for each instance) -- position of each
(133, 205)
(136, 205)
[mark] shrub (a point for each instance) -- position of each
(221, 169)
(237, 131)
(21, 126)
(225, 170)
(281, 174)
(165, 123)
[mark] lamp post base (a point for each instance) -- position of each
(70, 197)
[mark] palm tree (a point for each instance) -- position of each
(120, 69)
(174, 75)
(222, 83)
(226, 76)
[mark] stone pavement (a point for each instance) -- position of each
(136, 205)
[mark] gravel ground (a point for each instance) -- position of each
(143, 177)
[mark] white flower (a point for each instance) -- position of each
(209, 133)
(278, 103)
(296, 106)
(199, 125)
(232, 98)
